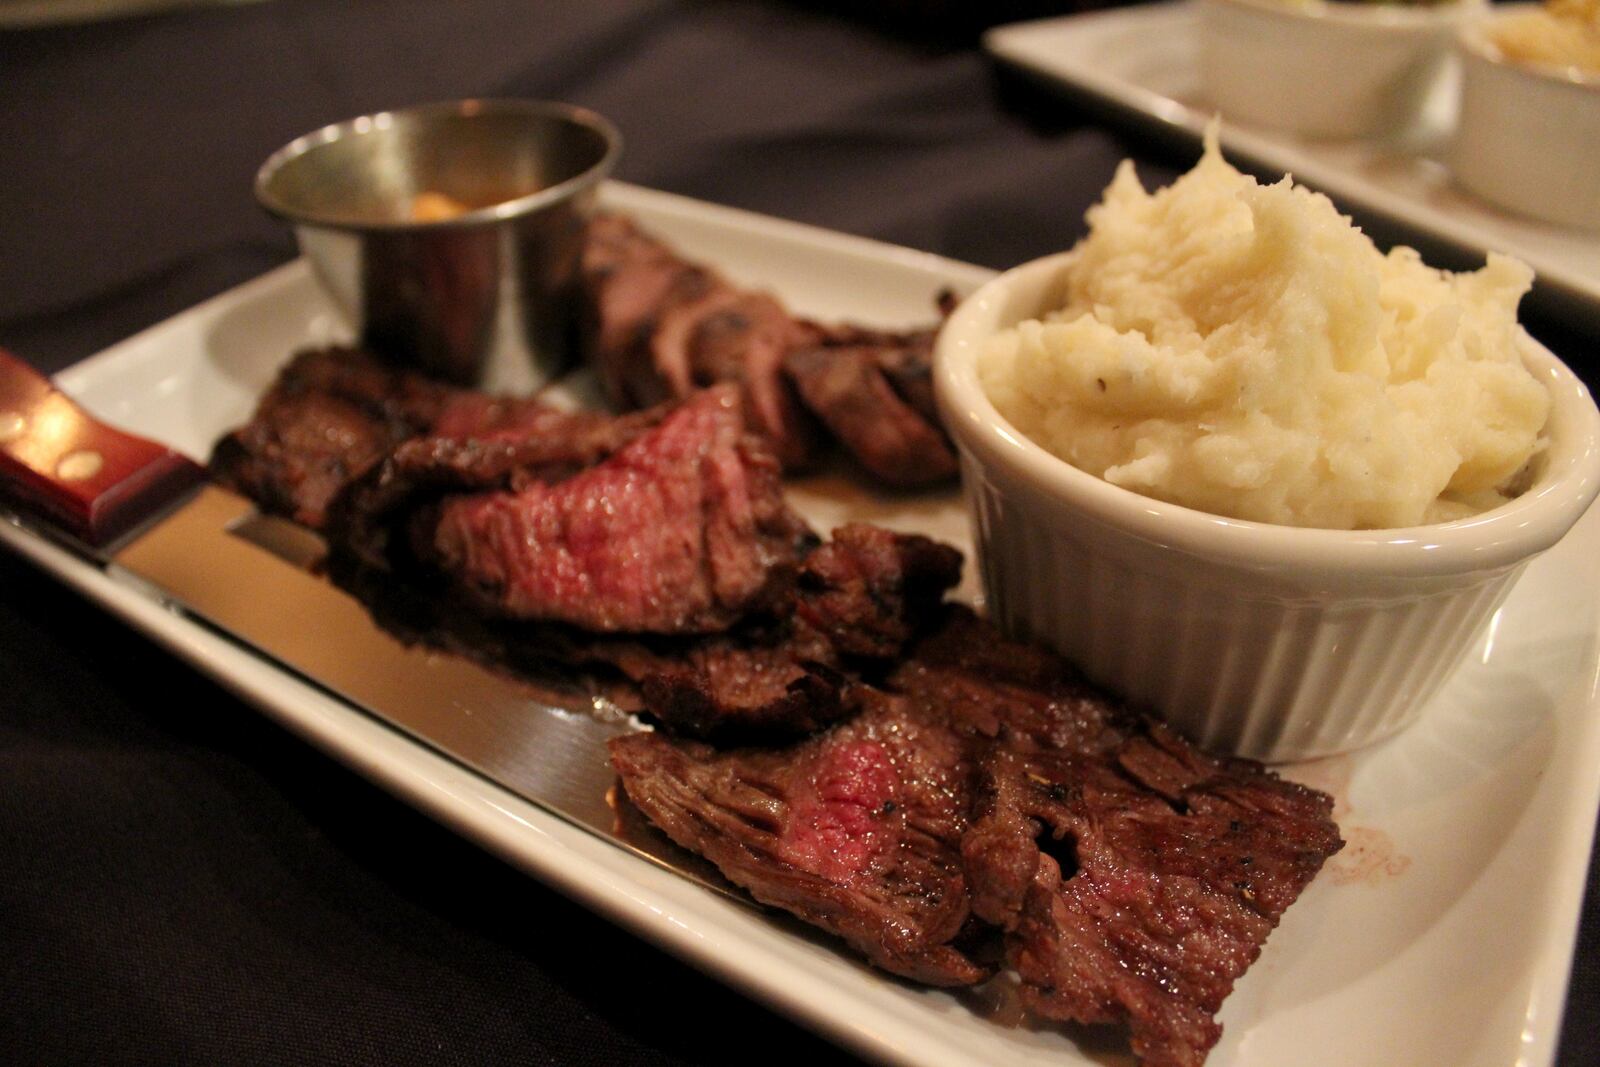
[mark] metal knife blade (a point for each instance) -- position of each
(146, 514)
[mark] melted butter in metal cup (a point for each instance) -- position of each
(449, 234)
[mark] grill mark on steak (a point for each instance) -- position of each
(868, 589)
(333, 414)
(859, 596)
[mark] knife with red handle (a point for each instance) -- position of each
(147, 515)
(91, 482)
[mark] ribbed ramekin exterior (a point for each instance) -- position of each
(1235, 660)
(1267, 641)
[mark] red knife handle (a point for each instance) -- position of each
(89, 480)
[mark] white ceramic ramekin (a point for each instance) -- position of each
(1273, 642)
(1528, 137)
(1325, 68)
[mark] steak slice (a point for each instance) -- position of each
(848, 388)
(329, 417)
(869, 589)
(628, 281)
(965, 672)
(332, 414)
(1138, 885)
(862, 594)
(732, 689)
(658, 326)
(745, 338)
(522, 445)
(856, 830)
(682, 530)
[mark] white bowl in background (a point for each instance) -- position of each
(1326, 68)
(1274, 642)
(1528, 137)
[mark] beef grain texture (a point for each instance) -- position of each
(857, 830)
(657, 327)
(332, 414)
(682, 529)
(1130, 878)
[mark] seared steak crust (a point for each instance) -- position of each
(856, 831)
(868, 589)
(1138, 885)
(333, 414)
(859, 597)
(849, 389)
(658, 327)
(329, 417)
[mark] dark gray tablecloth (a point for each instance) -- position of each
(182, 882)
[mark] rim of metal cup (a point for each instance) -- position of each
(364, 125)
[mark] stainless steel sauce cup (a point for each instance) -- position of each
(449, 233)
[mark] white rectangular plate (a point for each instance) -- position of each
(1144, 62)
(1442, 934)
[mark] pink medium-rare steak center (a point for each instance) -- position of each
(835, 823)
(682, 530)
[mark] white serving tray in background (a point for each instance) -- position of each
(1143, 63)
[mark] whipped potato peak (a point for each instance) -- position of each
(1245, 350)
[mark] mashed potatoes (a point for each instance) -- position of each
(1244, 350)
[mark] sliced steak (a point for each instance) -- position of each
(856, 831)
(682, 530)
(629, 281)
(330, 416)
(745, 339)
(735, 689)
(658, 326)
(869, 589)
(1132, 877)
(966, 672)
(1138, 885)
(861, 595)
(523, 446)
(847, 387)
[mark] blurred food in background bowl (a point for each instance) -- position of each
(449, 233)
(1326, 68)
(1528, 137)
(1268, 640)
